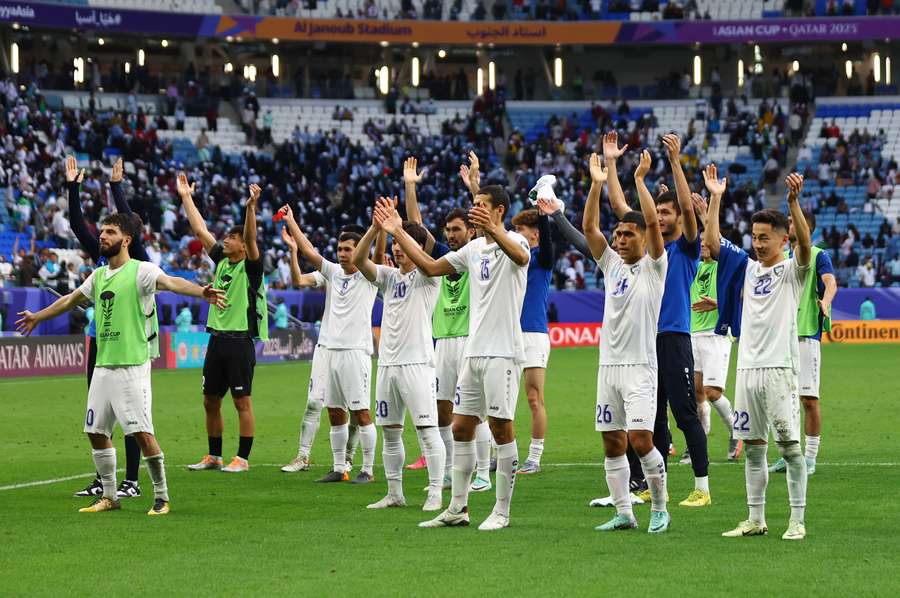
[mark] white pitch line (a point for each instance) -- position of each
(551, 465)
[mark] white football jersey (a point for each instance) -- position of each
(347, 321)
(769, 315)
(409, 301)
(631, 305)
(496, 292)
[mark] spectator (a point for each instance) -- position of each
(893, 269)
(281, 314)
(185, 319)
(866, 273)
(867, 310)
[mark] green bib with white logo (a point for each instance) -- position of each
(704, 285)
(809, 316)
(122, 337)
(451, 314)
(233, 279)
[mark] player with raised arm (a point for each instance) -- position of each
(635, 273)
(231, 355)
(406, 375)
(345, 349)
(129, 488)
(712, 352)
(813, 317)
(766, 391)
(127, 341)
(534, 225)
(489, 380)
(673, 342)
(450, 323)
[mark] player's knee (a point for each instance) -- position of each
(212, 404)
(501, 430)
(712, 393)
(535, 397)
(790, 449)
(362, 417)
(243, 404)
(464, 428)
(641, 442)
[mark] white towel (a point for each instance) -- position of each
(544, 190)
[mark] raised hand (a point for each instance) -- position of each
(714, 185)
(215, 297)
(27, 322)
(116, 176)
(547, 207)
(386, 216)
(184, 188)
(794, 182)
(72, 172)
(673, 146)
(284, 211)
(480, 217)
(663, 188)
(254, 195)
(705, 304)
(474, 164)
(643, 166)
(700, 206)
(611, 149)
(598, 173)
(288, 239)
(409, 171)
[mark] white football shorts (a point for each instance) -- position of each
(810, 367)
(626, 398)
(712, 353)
(120, 394)
(405, 387)
(489, 387)
(448, 358)
(347, 377)
(537, 350)
(764, 398)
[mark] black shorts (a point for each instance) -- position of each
(229, 366)
(92, 358)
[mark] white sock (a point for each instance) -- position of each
(461, 474)
(796, 478)
(105, 464)
(352, 440)
(756, 474)
(156, 466)
(702, 484)
(309, 427)
(435, 455)
(617, 474)
(655, 473)
(507, 459)
(703, 410)
(447, 438)
(338, 437)
(483, 442)
(368, 437)
(723, 408)
(535, 450)
(394, 454)
(812, 447)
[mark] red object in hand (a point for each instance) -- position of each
(279, 215)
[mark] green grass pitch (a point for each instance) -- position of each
(271, 533)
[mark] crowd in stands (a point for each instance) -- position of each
(553, 10)
(332, 182)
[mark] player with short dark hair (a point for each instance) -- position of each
(231, 355)
(489, 380)
(767, 387)
(406, 375)
(345, 349)
(123, 292)
(635, 272)
(130, 487)
(676, 363)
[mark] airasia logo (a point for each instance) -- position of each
(575, 335)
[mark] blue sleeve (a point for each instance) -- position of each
(89, 242)
(729, 283)
(439, 250)
(823, 264)
(692, 250)
(119, 198)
